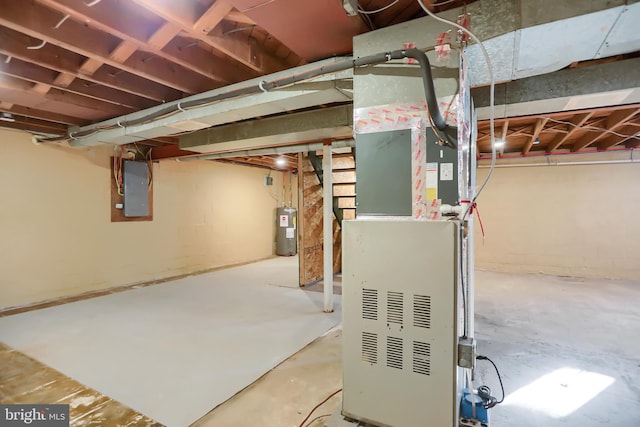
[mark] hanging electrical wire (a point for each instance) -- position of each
(265, 86)
(149, 160)
(38, 46)
(592, 128)
(64, 18)
(491, 99)
(371, 12)
(117, 169)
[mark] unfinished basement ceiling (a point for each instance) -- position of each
(76, 62)
(610, 128)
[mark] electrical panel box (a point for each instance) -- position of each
(400, 322)
(383, 166)
(136, 188)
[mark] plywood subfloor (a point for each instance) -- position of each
(24, 380)
(176, 350)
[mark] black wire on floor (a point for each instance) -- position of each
(317, 418)
(485, 392)
(319, 405)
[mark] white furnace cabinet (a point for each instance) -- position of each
(399, 322)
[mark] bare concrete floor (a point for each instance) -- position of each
(567, 349)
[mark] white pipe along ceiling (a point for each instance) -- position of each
(519, 47)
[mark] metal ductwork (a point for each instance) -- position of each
(289, 149)
(302, 87)
(524, 39)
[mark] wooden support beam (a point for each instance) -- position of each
(301, 221)
(37, 21)
(41, 114)
(163, 35)
(133, 31)
(170, 152)
(626, 132)
(58, 59)
(29, 99)
(577, 121)
(633, 142)
(615, 121)
(536, 132)
(186, 15)
(503, 136)
(23, 86)
(212, 17)
(239, 17)
(41, 75)
(63, 79)
(35, 125)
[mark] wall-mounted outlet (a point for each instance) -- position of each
(268, 180)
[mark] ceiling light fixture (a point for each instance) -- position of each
(281, 161)
(499, 143)
(7, 117)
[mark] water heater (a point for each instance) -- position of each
(286, 232)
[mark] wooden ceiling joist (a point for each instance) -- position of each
(614, 122)
(34, 125)
(611, 140)
(37, 74)
(37, 21)
(240, 18)
(53, 94)
(536, 132)
(58, 59)
(236, 46)
(577, 121)
(135, 37)
(41, 115)
(605, 127)
(503, 136)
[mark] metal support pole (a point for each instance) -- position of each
(471, 270)
(327, 225)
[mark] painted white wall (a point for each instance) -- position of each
(56, 237)
(577, 220)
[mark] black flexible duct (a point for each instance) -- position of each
(420, 56)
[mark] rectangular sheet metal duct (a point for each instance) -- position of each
(323, 123)
(325, 89)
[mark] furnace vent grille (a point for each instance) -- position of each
(421, 358)
(369, 347)
(394, 352)
(370, 304)
(422, 311)
(395, 307)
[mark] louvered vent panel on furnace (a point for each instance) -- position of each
(422, 311)
(395, 307)
(369, 347)
(394, 352)
(421, 358)
(370, 304)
